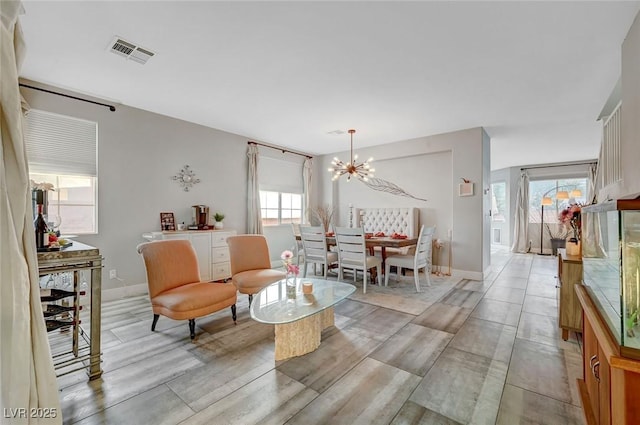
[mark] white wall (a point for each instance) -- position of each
(139, 152)
(422, 167)
(630, 134)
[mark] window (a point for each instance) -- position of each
(62, 150)
(498, 201)
(541, 188)
(280, 207)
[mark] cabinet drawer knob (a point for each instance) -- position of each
(595, 356)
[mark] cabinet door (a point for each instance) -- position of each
(202, 244)
(604, 389)
(590, 358)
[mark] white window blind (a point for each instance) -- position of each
(280, 175)
(60, 144)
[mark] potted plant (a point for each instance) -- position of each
(218, 217)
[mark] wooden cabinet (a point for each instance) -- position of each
(211, 249)
(569, 309)
(220, 259)
(610, 390)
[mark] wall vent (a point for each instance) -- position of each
(129, 50)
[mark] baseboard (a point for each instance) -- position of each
(124, 291)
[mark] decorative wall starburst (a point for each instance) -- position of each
(186, 178)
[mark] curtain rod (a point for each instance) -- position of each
(111, 107)
(251, 142)
(559, 165)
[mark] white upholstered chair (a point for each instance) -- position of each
(420, 260)
(314, 243)
(352, 254)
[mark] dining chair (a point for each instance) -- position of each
(250, 265)
(314, 243)
(175, 288)
(420, 260)
(352, 254)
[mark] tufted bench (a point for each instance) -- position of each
(389, 220)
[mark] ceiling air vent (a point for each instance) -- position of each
(129, 50)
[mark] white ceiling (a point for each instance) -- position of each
(535, 75)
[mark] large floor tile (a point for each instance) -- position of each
(511, 281)
(474, 285)
(219, 376)
(380, 324)
(351, 400)
(524, 407)
(272, 398)
(413, 349)
(443, 317)
(545, 330)
(336, 356)
(489, 339)
(498, 311)
(462, 298)
(463, 386)
(354, 309)
(168, 409)
(547, 370)
(414, 414)
(540, 305)
(504, 293)
(542, 287)
(86, 398)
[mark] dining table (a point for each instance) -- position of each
(383, 242)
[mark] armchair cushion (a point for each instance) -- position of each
(194, 300)
(252, 281)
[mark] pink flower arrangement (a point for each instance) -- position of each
(571, 216)
(287, 261)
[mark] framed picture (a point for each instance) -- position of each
(167, 222)
(465, 189)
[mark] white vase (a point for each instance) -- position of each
(218, 225)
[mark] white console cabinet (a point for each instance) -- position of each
(210, 246)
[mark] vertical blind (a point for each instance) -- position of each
(59, 144)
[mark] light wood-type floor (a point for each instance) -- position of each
(460, 352)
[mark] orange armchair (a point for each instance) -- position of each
(250, 264)
(174, 283)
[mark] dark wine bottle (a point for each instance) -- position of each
(48, 295)
(57, 324)
(50, 310)
(42, 233)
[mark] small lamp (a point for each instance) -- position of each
(562, 194)
(576, 193)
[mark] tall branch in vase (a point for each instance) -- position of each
(324, 214)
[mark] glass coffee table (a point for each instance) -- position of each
(298, 318)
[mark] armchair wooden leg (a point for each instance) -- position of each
(192, 328)
(155, 320)
(250, 299)
(233, 313)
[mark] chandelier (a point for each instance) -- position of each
(362, 171)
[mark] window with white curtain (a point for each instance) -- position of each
(62, 150)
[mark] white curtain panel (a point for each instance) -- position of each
(521, 217)
(306, 181)
(27, 376)
(254, 219)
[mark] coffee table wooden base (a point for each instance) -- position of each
(302, 336)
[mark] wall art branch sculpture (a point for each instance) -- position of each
(387, 186)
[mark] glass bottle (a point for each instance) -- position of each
(42, 233)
